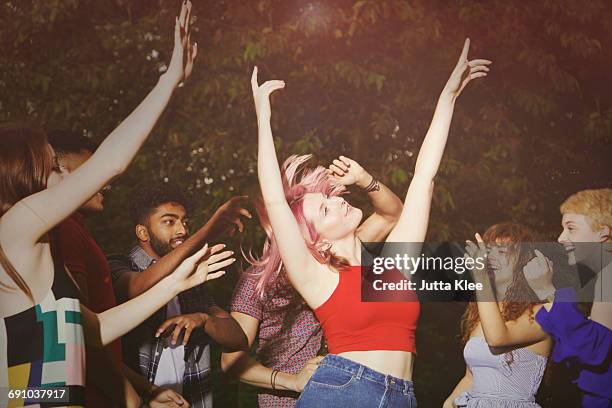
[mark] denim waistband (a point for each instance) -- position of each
(361, 371)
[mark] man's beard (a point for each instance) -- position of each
(160, 247)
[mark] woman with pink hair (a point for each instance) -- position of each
(267, 307)
(317, 238)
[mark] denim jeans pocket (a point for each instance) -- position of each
(331, 377)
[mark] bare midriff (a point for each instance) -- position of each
(396, 363)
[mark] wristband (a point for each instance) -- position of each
(373, 186)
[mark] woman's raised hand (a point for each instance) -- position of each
(347, 171)
(184, 53)
(465, 71)
(202, 266)
(476, 251)
(261, 95)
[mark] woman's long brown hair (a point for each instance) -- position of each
(25, 166)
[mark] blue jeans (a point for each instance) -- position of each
(339, 382)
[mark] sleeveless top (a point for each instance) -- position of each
(503, 380)
(349, 324)
(44, 345)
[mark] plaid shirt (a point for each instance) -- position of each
(142, 350)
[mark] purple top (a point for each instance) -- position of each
(289, 333)
(580, 343)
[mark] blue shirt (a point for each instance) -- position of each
(580, 344)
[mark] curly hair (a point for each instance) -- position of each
(146, 198)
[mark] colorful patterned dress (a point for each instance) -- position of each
(44, 345)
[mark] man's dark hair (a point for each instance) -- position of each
(146, 198)
(69, 142)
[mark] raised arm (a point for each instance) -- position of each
(300, 265)
(413, 222)
(38, 213)
(497, 332)
(387, 206)
(102, 328)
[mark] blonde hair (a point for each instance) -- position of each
(596, 205)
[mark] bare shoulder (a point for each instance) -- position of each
(16, 223)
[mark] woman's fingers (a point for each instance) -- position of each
(540, 256)
(219, 257)
(471, 248)
(254, 84)
(188, 19)
(270, 86)
(544, 262)
(198, 255)
(216, 248)
(345, 160)
(267, 87)
(194, 52)
(182, 15)
(480, 241)
(464, 52)
(177, 32)
(478, 75)
(220, 265)
(477, 62)
(336, 170)
(341, 165)
(215, 275)
(479, 68)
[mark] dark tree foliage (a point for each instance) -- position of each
(362, 80)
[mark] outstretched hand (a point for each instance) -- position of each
(228, 216)
(184, 53)
(465, 71)
(261, 95)
(476, 251)
(202, 266)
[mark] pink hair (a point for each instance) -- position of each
(298, 181)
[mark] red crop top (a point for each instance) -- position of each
(352, 325)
